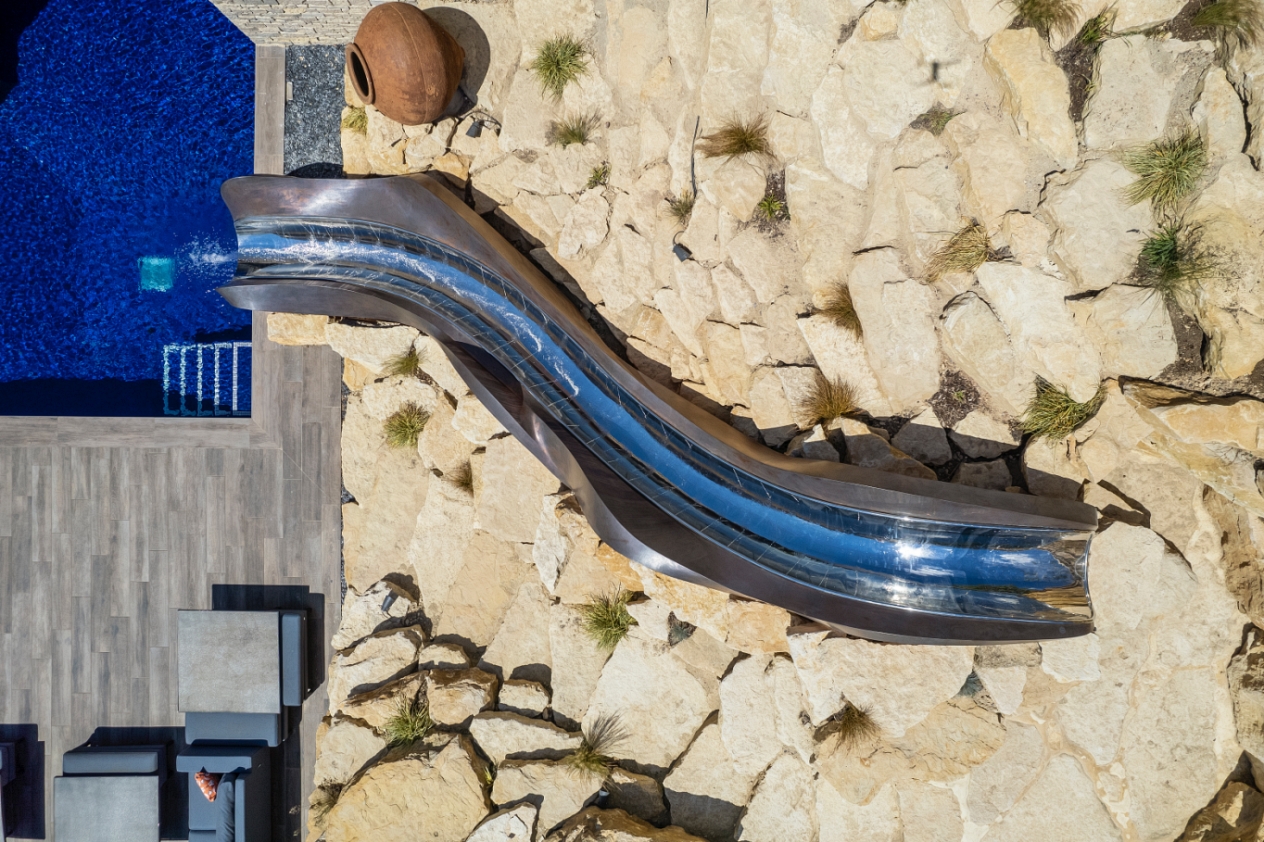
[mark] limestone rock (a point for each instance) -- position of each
(741, 624)
(594, 824)
(372, 347)
(654, 697)
(842, 821)
(375, 707)
(705, 791)
(513, 482)
(362, 615)
(1000, 170)
(440, 537)
(1098, 233)
(783, 805)
(442, 656)
(731, 375)
(436, 366)
(846, 146)
(869, 450)
(775, 396)
(800, 51)
(521, 647)
(813, 444)
(455, 696)
(841, 356)
(585, 227)
(504, 735)
(923, 439)
(1139, 78)
(565, 553)
(836, 668)
(513, 824)
(1045, 336)
(978, 343)
(485, 583)
(1000, 780)
(528, 698)
(1050, 470)
(1035, 91)
(1236, 813)
(1060, 806)
(746, 696)
(552, 786)
(377, 659)
(431, 790)
(1072, 659)
(342, 749)
(297, 329)
(638, 795)
(1198, 419)
(1004, 684)
(1246, 685)
(954, 738)
(737, 186)
(1130, 328)
(473, 421)
(981, 436)
(993, 475)
(929, 813)
(899, 318)
(577, 664)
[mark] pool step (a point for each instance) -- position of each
(206, 378)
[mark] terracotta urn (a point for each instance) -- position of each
(404, 64)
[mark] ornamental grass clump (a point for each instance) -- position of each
(826, 400)
(966, 251)
(1174, 262)
(1049, 17)
(405, 426)
(407, 364)
(592, 759)
(841, 311)
(1054, 414)
(560, 60)
(576, 128)
(1097, 29)
(1244, 18)
(606, 619)
(357, 120)
(682, 206)
(853, 726)
(599, 176)
(410, 722)
(737, 138)
(771, 208)
(1167, 170)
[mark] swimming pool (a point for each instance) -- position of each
(127, 117)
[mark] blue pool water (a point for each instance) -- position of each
(127, 117)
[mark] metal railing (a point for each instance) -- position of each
(206, 378)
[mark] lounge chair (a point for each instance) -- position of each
(109, 794)
(245, 798)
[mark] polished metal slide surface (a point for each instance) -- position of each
(877, 555)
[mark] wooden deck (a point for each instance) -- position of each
(109, 526)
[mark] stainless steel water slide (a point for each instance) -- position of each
(877, 555)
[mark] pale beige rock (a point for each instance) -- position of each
(1098, 234)
(442, 447)
(746, 696)
(1027, 238)
(383, 398)
(484, 585)
(923, 439)
(371, 347)
(473, 421)
(502, 735)
(1044, 334)
(297, 329)
(514, 824)
(978, 343)
(585, 227)
(1072, 659)
(776, 395)
(985, 18)
(1060, 806)
(1051, 471)
(1139, 78)
(1130, 328)
(376, 660)
(883, 85)
(1035, 91)
(1235, 813)
(834, 668)
(1092, 715)
(982, 436)
(435, 364)
(528, 698)
(362, 615)
(433, 790)
(376, 707)
(384, 144)
(638, 795)
(783, 805)
(800, 51)
(842, 821)
(654, 697)
(577, 664)
(442, 656)
(846, 147)
(704, 789)
(992, 475)
(841, 356)
(558, 791)
(343, 748)
(899, 318)
(1000, 170)
(732, 378)
(866, 448)
(1238, 422)
(1004, 685)
(1247, 689)
(1000, 780)
(929, 813)
(514, 482)
(737, 186)
(594, 824)
(521, 648)
(565, 553)
(1220, 117)
(794, 726)
(745, 625)
(954, 738)
(1134, 577)
(768, 266)
(456, 696)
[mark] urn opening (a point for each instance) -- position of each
(361, 79)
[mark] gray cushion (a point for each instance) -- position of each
(263, 728)
(201, 836)
(226, 801)
(104, 761)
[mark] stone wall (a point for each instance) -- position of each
(296, 21)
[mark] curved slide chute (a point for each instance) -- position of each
(881, 556)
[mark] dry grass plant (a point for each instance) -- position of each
(841, 311)
(1167, 170)
(738, 138)
(599, 176)
(936, 119)
(1244, 18)
(1049, 17)
(410, 722)
(826, 400)
(323, 799)
(560, 60)
(681, 207)
(576, 128)
(965, 251)
(462, 476)
(405, 426)
(592, 759)
(407, 364)
(1054, 414)
(357, 120)
(854, 727)
(606, 619)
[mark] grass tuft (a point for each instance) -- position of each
(462, 476)
(841, 311)
(682, 206)
(1049, 17)
(826, 400)
(936, 119)
(403, 428)
(560, 60)
(606, 619)
(966, 251)
(410, 722)
(592, 759)
(853, 726)
(1244, 18)
(407, 364)
(574, 129)
(1097, 29)
(1167, 170)
(323, 799)
(599, 176)
(736, 138)
(1175, 263)
(772, 208)
(1054, 414)
(357, 120)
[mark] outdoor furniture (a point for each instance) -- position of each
(8, 770)
(240, 673)
(109, 794)
(249, 796)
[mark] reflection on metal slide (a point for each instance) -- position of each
(876, 555)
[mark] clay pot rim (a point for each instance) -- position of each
(361, 78)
